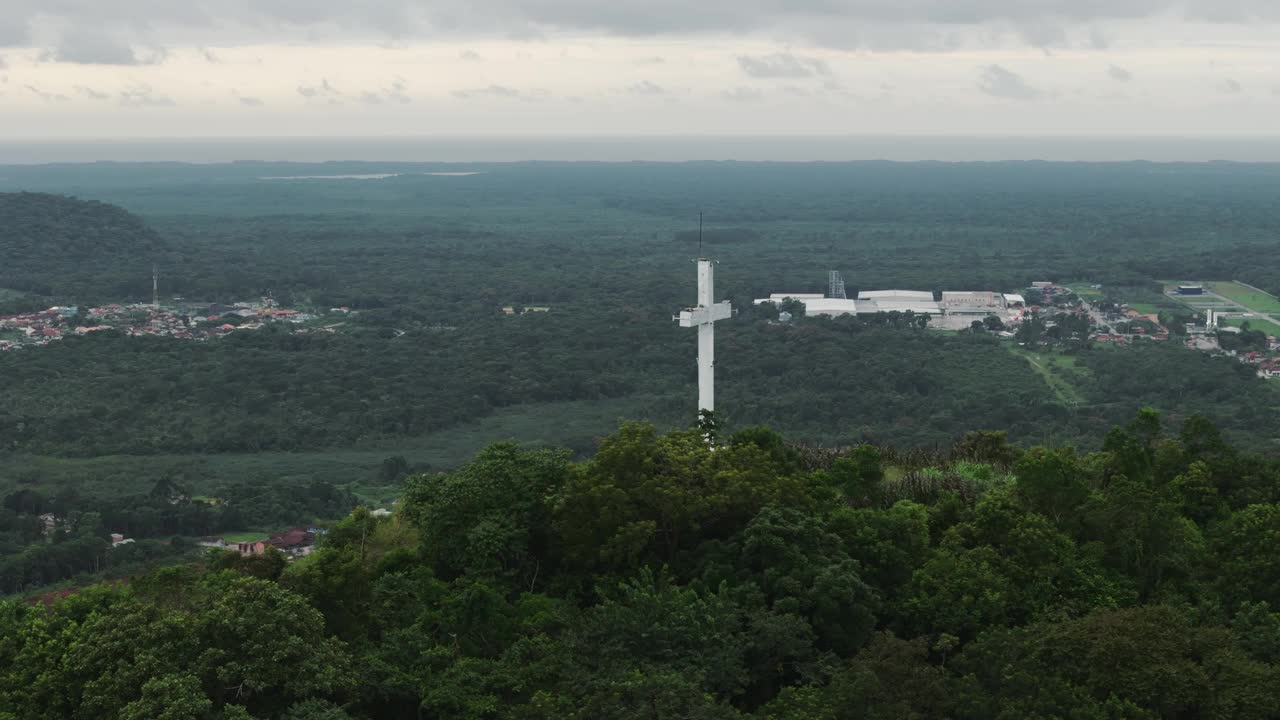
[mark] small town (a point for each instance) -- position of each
(181, 320)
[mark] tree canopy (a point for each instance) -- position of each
(665, 578)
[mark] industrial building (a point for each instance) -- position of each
(1190, 290)
(897, 295)
(972, 303)
(919, 307)
(831, 306)
(779, 297)
(817, 304)
(918, 302)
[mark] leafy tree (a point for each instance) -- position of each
(169, 697)
(490, 517)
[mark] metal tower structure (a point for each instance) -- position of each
(835, 285)
(703, 316)
(155, 286)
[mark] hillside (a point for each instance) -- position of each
(662, 580)
(58, 245)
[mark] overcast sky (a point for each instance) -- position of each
(182, 68)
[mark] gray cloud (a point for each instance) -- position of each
(90, 48)
(210, 56)
(1229, 86)
(143, 96)
(644, 87)
(394, 94)
(91, 93)
(251, 101)
(470, 56)
(1002, 83)
(828, 21)
(782, 65)
(1119, 74)
(13, 32)
(46, 96)
(323, 91)
(491, 91)
(1042, 32)
(655, 60)
(742, 94)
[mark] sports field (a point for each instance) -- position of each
(1255, 300)
(1086, 291)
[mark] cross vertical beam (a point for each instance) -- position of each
(704, 316)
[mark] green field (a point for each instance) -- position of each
(1086, 291)
(244, 536)
(1057, 371)
(1254, 300)
(1259, 322)
(571, 424)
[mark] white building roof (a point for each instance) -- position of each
(830, 306)
(970, 297)
(915, 295)
(796, 296)
(1012, 298)
(917, 307)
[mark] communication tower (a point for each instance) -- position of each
(835, 287)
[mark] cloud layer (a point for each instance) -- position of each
(253, 67)
(94, 30)
(1000, 82)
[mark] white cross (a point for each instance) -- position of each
(704, 316)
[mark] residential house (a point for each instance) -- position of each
(251, 548)
(296, 542)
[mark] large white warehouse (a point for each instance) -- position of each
(969, 302)
(897, 295)
(920, 302)
(919, 307)
(816, 304)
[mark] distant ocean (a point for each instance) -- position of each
(652, 148)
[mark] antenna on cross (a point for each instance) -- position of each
(699, 233)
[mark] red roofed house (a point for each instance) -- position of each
(296, 542)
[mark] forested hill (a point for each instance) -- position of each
(660, 580)
(47, 241)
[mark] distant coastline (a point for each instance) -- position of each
(650, 148)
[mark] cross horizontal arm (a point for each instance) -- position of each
(693, 317)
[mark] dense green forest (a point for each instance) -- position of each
(832, 381)
(428, 369)
(616, 276)
(663, 578)
(56, 245)
(1108, 555)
